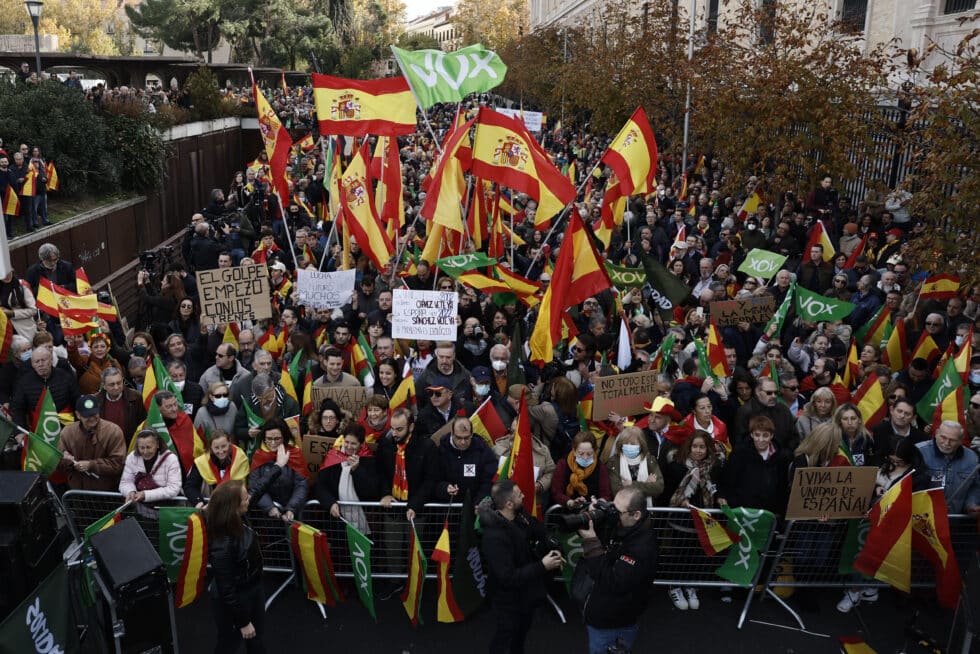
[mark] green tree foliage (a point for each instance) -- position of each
(493, 24)
(191, 25)
(202, 86)
(417, 41)
(81, 26)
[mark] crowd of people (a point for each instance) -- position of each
(702, 441)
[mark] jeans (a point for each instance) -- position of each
(41, 209)
(601, 639)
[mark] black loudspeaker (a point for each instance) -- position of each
(26, 508)
(135, 578)
(18, 575)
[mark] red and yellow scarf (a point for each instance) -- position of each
(399, 484)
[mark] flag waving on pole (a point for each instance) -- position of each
(411, 597)
(276, 140)
(350, 107)
(442, 202)
(446, 608)
(360, 215)
(633, 155)
(887, 552)
(438, 76)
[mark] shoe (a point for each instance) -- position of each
(726, 594)
(851, 599)
(390, 591)
(869, 595)
(692, 598)
(677, 597)
(47, 223)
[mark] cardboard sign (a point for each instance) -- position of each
(234, 294)
(750, 309)
(835, 492)
(315, 449)
(324, 290)
(624, 394)
(532, 119)
(429, 315)
(349, 398)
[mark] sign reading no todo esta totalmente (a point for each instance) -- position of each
(234, 294)
(429, 315)
(624, 394)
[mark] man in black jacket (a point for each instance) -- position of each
(466, 464)
(623, 571)
(517, 575)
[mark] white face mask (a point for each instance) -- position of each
(180, 385)
(959, 340)
(498, 365)
(975, 376)
(220, 402)
(752, 227)
(483, 389)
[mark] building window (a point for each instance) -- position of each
(957, 6)
(853, 13)
(712, 16)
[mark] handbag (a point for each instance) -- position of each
(144, 481)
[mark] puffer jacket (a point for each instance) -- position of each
(518, 577)
(623, 572)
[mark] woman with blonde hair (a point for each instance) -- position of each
(819, 410)
(218, 412)
(632, 464)
(821, 449)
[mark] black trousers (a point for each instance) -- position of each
(229, 636)
(513, 624)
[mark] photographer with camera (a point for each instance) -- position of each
(620, 569)
(520, 558)
(205, 247)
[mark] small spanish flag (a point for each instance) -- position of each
(194, 563)
(11, 203)
(446, 608)
(313, 557)
(714, 536)
(53, 182)
(411, 597)
(936, 287)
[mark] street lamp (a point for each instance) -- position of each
(34, 8)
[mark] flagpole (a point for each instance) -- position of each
(285, 225)
(466, 211)
(415, 95)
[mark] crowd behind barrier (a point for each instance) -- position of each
(798, 554)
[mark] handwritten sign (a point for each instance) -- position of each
(835, 492)
(315, 448)
(624, 394)
(429, 315)
(349, 398)
(532, 119)
(324, 290)
(749, 309)
(234, 294)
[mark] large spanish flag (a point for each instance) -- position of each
(277, 143)
(579, 274)
(360, 215)
(939, 287)
(518, 465)
(930, 538)
(505, 152)
(194, 563)
(351, 107)
(446, 608)
(524, 288)
(887, 552)
(442, 202)
(633, 155)
(312, 554)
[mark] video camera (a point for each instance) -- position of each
(602, 514)
(154, 262)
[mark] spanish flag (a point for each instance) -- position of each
(194, 563)
(714, 536)
(579, 274)
(936, 287)
(53, 182)
(930, 538)
(388, 195)
(858, 251)
(716, 352)
(29, 189)
(312, 554)
(442, 201)
(487, 423)
(818, 236)
(633, 155)
(896, 353)
(350, 107)
(11, 202)
(231, 334)
(286, 381)
(870, 401)
(887, 551)
(276, 140)
(750, 206)
(446, 608)
(306, 144)
(875, 331)
(926, 348)
(6, 336)
(852, 366)
(307, 406)
(404, 395)
(81, 281)
(518, 465)
(483, 283)
(522, 287)
(108, 520)
(360, 215)
(505, 152)
(411, 597)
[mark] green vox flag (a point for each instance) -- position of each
(813, 307)
(667, 290)
(154, 420)
(173, 537)
(753, 526)
(438, 76)
(625, 278)
(857, 532)
(43, 622)
(41, 457)
(571, 549)
(947, 382)
(469, 579)
(164, 382)
(461, 263)
(779, 317)
(360, 556)
(762, 263)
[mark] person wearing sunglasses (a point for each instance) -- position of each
(218, 412)
(443, 406)
(764, 404)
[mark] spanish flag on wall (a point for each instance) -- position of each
(887, 552)
(350, 107)
(193, 565)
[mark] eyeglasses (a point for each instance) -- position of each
(792, 388)
(437, 393)
(769, 392)
(840, 281)
(934, 324)
(220, 395)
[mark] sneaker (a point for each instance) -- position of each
(851, 599)
(869, 595)
(692, 598)
(677, 597)
(726, 594)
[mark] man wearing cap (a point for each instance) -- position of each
(279, 285)
(442, 407)
(662, 436)
(94, 449)
(892, 246)
(484, 387)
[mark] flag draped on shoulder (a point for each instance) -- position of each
(579, 274)
(350, 107)
(436, 76)
(505, 152)
(277, 143)
(360, 215)
(887, 552)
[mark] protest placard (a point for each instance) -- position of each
(750, 309)
(844, 492)
(234, 294)
(532, 119)
(315, 448)
(349, 398)
(324, 290)
(429, 315)
(624, 394)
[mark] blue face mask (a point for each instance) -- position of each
(26, 355)
(975, 377)
(631, 451)
(583, 463)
